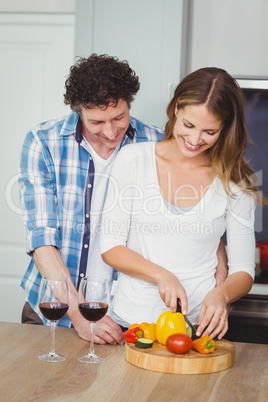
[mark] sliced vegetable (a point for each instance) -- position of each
(169, 323)
(192, 332)
(144, 343)
(179, 343)
(204, 345)
(131, 335)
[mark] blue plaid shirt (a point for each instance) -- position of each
(56, 180)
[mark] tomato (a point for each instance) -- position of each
(179, 343)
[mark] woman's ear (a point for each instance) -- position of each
(176, 110)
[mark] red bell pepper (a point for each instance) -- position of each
(131, 335)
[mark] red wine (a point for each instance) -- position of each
(93, 311)
(53, 311)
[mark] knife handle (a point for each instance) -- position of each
(178, 306)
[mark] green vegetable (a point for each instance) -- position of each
(192, 333)
(144, 343)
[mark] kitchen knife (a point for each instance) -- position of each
(185, 317)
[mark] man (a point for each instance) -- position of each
(64, 172)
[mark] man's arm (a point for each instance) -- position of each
(222, 267)
(39, 208)
(49, 262)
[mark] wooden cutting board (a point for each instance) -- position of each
(158, 358)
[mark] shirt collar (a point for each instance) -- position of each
(78, 131)
(131, 131)
(69, 124)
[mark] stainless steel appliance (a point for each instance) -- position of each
(248, 318)
(255, 93)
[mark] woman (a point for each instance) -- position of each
(169, 204)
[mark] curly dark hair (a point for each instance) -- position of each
(100, 80)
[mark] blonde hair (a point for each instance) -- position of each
(216, 89)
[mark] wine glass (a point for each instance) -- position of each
(93, 301)
(53, 301)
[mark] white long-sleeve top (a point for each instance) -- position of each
(136, 216)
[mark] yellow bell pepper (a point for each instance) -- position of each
(169, 323)
(149, 330)
(133, 326)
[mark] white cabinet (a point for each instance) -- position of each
(148, 34)
(37, 6)
(36, 52)
(232, 35)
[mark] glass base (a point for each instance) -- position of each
(52, 357)
(91, 358)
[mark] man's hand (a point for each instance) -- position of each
(49, 262)
(106, 331)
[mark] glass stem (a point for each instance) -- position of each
(91, 348)
(52, 348)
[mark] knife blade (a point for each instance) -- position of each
(185, 317)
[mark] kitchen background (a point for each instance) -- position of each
(162, 40)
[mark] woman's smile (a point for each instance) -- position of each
(190, 146)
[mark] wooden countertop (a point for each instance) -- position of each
(23, 377)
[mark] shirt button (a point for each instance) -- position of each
(85, 245)
(89, 185)
(87, 215)
(82, 275)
